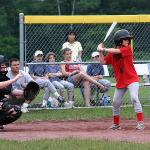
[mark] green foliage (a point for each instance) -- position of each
(9, 46)
(9, 10)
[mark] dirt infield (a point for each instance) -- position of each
(95, 129)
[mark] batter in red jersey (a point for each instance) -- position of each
(121, 59)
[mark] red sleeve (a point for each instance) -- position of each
(108, 59)
(126, 51)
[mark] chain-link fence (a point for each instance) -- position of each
(51, 37)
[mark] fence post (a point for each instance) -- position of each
(21, 40)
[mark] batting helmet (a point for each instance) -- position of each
(121, 34)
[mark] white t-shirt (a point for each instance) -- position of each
(75, 48)
(21, 82)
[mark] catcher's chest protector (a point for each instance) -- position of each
(8, 113)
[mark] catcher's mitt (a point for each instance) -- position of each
(31, 91)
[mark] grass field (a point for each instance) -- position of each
(78, 114)
(74, 144)
(144, 96)
(71, 144)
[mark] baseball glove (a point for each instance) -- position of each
(31, 91)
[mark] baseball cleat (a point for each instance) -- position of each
(140, 126)
(115, 127)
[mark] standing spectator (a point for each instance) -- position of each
(121, 59)
(39, 73)
(76, 75)
(74, 45)
(54, 72)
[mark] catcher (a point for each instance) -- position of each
(8, 112)
(11, 105)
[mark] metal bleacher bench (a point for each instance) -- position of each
(141, 69)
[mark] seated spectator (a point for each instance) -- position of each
(54, 72)
(39, 73)
(96, 71)
(16, 96)
(74, 45)
(146, 78)
(76, 75)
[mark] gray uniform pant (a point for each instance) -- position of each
(119, 93)
(49, 88)
(62, 85)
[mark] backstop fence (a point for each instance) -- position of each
(48, 33)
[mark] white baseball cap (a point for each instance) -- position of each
(95, 54)
(38, 52)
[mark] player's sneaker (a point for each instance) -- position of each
(24, 108)
(44, 104)
(69, 104)
(61, 99)
(140, 126)
(115, 127)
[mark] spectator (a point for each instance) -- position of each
(145, 78)
(76, 75)
(54, 72)
(39, 73)
(96, 71)
(74, 45)
(19, 85)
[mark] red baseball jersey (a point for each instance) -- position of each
(72, 67)
(123, 67)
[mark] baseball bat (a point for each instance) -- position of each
(110, 30)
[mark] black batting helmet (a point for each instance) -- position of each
(121, 34)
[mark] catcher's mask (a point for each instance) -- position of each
(3, 65)
(120, 35)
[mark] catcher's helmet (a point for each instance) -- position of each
(121, 34)
(1, 58)
(3, 67)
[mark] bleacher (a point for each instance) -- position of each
(141, 69)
